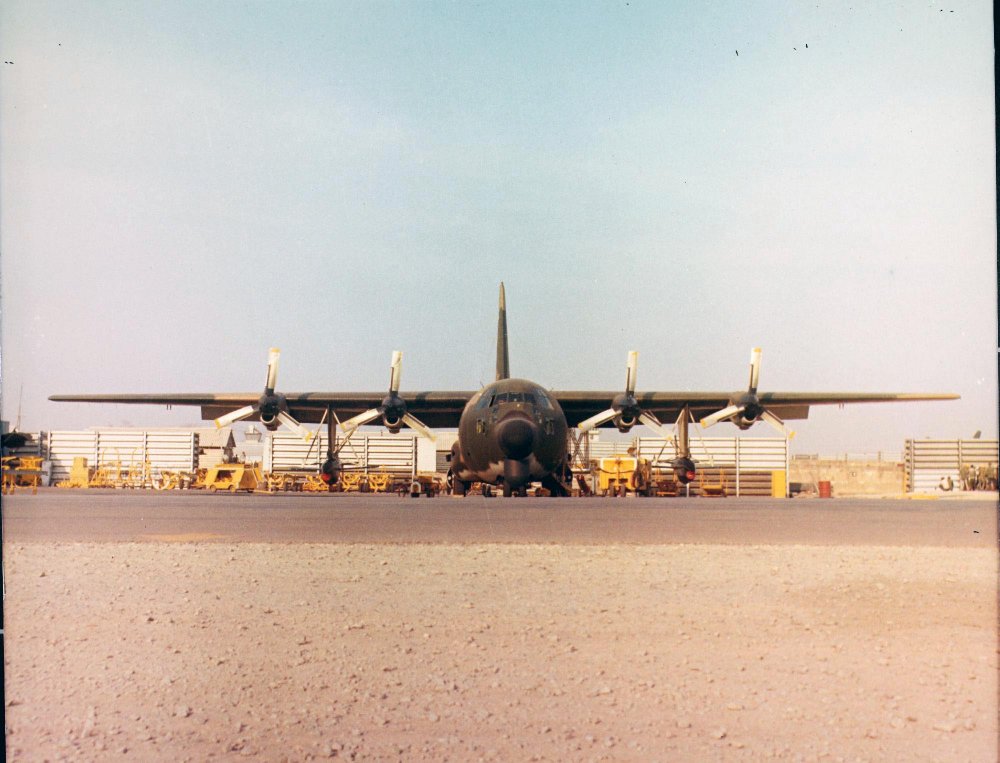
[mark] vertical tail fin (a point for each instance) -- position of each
(503, 361)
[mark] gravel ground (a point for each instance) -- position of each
(192, 651)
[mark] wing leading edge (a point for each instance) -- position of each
(667, 406)
(443, 408)
(436, 409)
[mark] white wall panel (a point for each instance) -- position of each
(174, 450)
(285, 451)
(928, 462)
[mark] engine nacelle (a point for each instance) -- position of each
(330, 471)
(750, 414)
(625, 422)
(268, 407)
(393, 411)
(628, 412)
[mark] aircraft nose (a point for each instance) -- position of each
(516, 436)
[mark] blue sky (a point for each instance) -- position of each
(183, 185)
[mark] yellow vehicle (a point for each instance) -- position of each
(233, 477)
(619, 475)
(22, 471)
(421, 484)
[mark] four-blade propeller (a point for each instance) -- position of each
(271, 407)
(747, 409)
(392, 409)
(625, 409)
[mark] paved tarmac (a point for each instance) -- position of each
(116, 516)
(187, 626)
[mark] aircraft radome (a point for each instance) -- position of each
(512, 432)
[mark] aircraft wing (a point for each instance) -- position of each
(435, 409)
(666, 406)
(443, 409)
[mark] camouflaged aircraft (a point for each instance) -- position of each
(512, 432)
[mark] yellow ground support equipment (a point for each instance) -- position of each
(79, 475)
(378, 482)
(713, 486)
(619, 475)
(350, 482)
(170, 480)
(421, 484)
(139, 475)
(233, 477)
(107, 475)
(22, 471)
(614, 474)
(314, 483)
(665, 486)
(279, 482)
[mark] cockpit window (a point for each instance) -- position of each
(543, 399)
(513, 397)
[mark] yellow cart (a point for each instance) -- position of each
(233, 477)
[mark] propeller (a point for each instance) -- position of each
(392, 409)
(747, 410)
(271, 407)
(625, 408)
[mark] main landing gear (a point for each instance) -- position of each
(510, 490)
(456, 486)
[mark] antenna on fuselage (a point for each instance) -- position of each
(503, 360)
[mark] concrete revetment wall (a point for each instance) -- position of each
(851, 477)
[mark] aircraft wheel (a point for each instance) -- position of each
(508, 491)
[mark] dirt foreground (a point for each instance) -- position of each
(190, 651)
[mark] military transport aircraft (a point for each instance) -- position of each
(512, 432)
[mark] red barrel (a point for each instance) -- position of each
(825, 489)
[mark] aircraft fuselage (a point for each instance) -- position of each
(510, 433)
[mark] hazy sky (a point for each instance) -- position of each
(183, 185)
